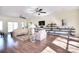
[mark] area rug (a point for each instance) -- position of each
(48, 50)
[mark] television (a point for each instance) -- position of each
(41, 23)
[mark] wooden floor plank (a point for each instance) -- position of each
(37, 47)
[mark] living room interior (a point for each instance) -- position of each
(39, 29)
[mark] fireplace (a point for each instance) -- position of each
(41, 23)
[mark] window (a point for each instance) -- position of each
(1, 25)
(12, 26)
(22, 24)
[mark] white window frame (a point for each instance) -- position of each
(13, 25)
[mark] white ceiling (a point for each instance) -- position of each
(16, 11)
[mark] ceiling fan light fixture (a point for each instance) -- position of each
(37, 11)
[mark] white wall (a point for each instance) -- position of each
(71, 18)
(47, 19)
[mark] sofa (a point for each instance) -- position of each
(25, 34)
(21, 34)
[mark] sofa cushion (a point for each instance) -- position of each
(21, 34)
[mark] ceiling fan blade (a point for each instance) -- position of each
(42, 12)
(38, 13)
(22, 17)
(38, 10)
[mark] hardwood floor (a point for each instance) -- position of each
(36, 47)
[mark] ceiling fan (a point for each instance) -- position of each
(22, 17)
(39, 11)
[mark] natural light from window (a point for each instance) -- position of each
(12, 26)
(1, 25)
